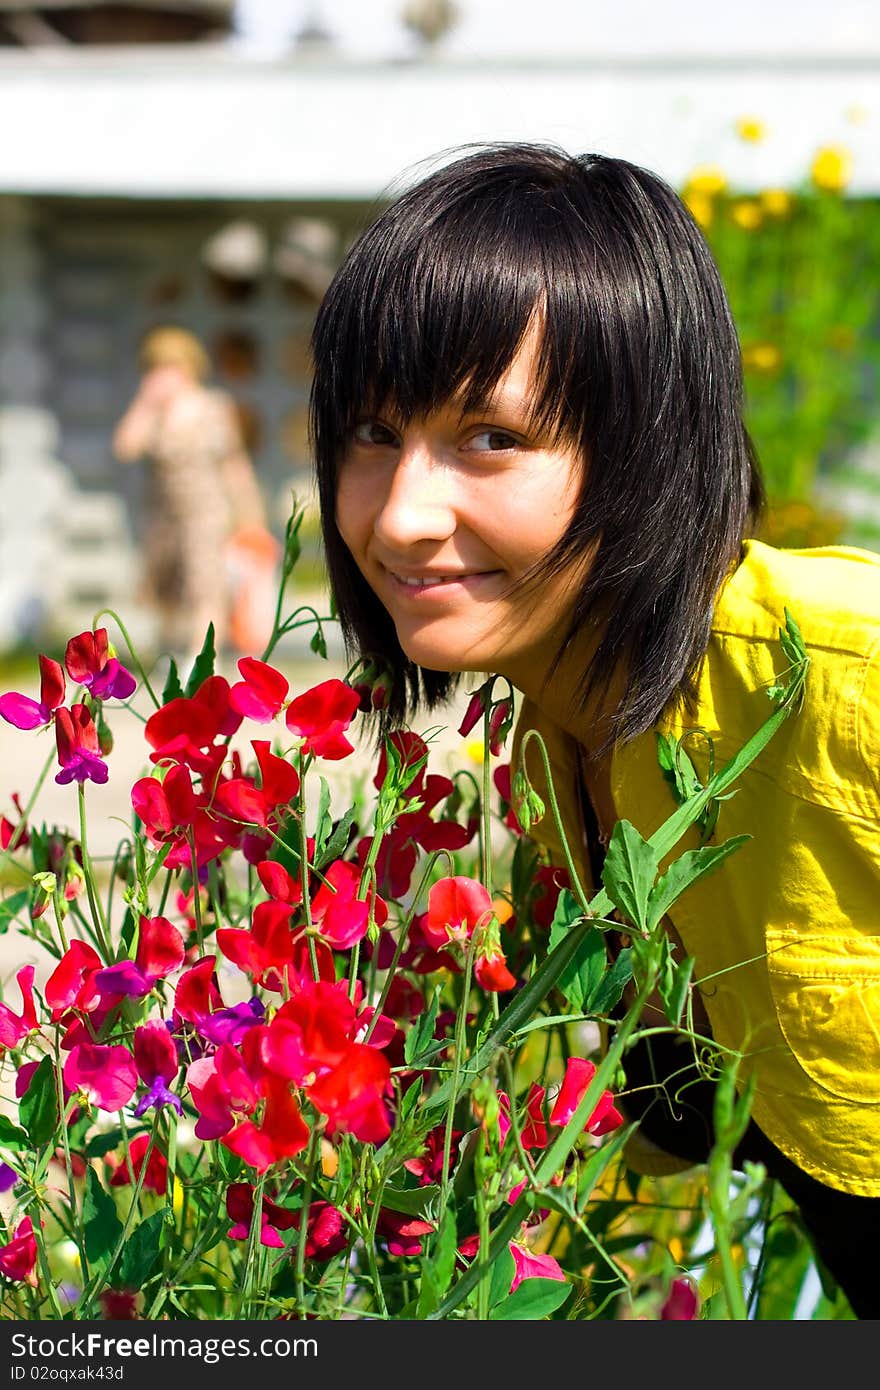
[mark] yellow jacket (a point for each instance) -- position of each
(786, 934)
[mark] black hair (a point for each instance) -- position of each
(639, 366)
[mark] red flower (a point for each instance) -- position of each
(156, 1175)
(8, 830)
(240, 1210)
(578, 1074)
(326, 1234)
(321, 716)
(352, 1096)
(402, 1234)
(185, 730)
(89, 663)
(79, 752)
(341, 915)
(260, 695)
(491, 972)
(71, 984)
(18, 1257)
(455, 907)
(281, 1133)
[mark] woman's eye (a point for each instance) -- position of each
(492, 441)
(374, 432)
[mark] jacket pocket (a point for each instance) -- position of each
(826, 989)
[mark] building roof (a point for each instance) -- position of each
(207, 121)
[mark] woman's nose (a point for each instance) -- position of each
(418, 503)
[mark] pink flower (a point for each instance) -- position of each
(79, 752)
(26, 713)
(18, 1257)
(89, 663)
(682, 1303)
(14, 1027)
(321, 716)
(106, 1074)
(532, 1266)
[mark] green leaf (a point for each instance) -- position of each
(323, 819)
(629, 872)
(101, 1144)
(172, 690)
(141, 1250)
(101, 1225)
(581, 977)
(10, 907)
(421, 1035)
(502, 1276)
(11, 1136)
(203, 666)
(429, 1294)
(682, 872)
(338, 841)
(533, 1298)
(38, 1110)
(412, 1201)
(612, 984)
(444, 1253)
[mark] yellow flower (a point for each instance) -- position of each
(831, 168)
(776, 202)
(763, 358)
(747, 214)
(701, 208)
(707, 179)
(475, 750)
(749, 128)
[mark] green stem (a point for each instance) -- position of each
(100, 923)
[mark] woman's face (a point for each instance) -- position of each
(443, 515)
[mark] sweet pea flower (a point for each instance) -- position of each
(156, 1175)
(79, 751)
(155, 1058)
(530, 1265)
(160, 950)
(14, 1027)
(26, 713)
(456, 906)
(261, 692)
(326, 1231)
(106, 1074)
(10, 830)
(352, 1096)
(240, 1210)
(18, 1258)
(321, 716)
(401, 1234)
(579, 1072)
(682, 1303)
(89, 663)
(340, 915)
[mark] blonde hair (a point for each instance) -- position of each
(174, 347)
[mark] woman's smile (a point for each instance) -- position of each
(447, 517)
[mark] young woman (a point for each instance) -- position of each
(527, 417)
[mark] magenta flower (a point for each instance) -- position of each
(155, 1057)
(78, 750)
(18, 1258)
(240, 1209)
(14, 1027)
(26, 713)
(532, 1266)
(105, 1074)
(89, 663)
(682, 1303)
